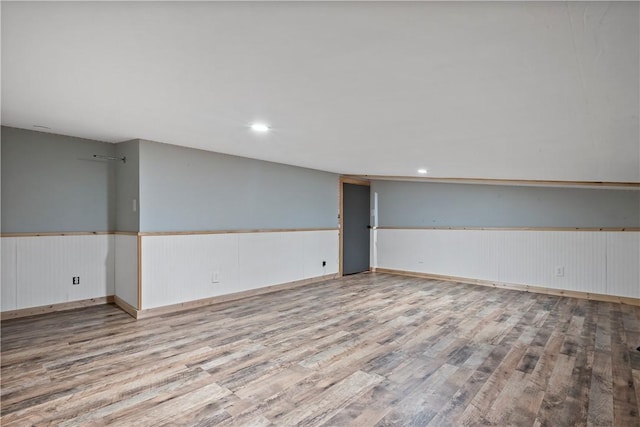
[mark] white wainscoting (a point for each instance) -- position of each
(593, 261)
(126, 268)
(180, 268)
(9, 284)
(623, 264)
(38, 270)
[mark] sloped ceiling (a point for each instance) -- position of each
(506, 90)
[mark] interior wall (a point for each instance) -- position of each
(38, 271)
(126, 268)
(591, 262)
(425, 204)
(184, 189)
(182, 268)
(52, 183)
(128, 186)
(526, 252)
(176, 189)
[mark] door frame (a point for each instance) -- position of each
(346, 180)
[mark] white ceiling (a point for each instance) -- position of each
(479, 90)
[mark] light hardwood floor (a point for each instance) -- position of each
(370, 349)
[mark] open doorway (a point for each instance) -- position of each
(354, 226)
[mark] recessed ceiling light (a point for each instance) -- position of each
(422, 171)
(259, 127)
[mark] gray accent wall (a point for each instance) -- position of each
(184, 189)
(128, 186)
(52, 183)
(421, 204)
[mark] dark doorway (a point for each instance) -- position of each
(355, 228)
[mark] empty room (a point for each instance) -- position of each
(320, 213)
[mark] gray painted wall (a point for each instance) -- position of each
(184, 189)
(51, 183)
(419, 204)
(128, 186)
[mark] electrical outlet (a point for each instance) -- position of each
(215, 277)
(559, 271)
(76, 280)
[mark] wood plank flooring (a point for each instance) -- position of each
(364, 350)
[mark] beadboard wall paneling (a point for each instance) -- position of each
(9, 290)
(531, 257)
(597, 262)
(181, 268)
(45, 266)
(623, 261)
(126, 268)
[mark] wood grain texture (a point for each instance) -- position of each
(616, 229)
(517, 287)
(50, 308)
(150, 312)
(355, 181)
(139, 307)
(163, 233)
(239, 231)
(493, 181)
(59, 233)
(365, 350)
(126, 307)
